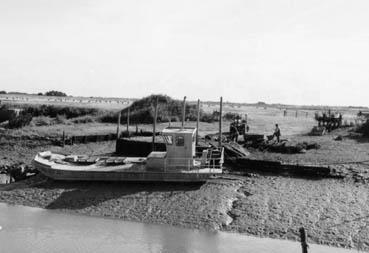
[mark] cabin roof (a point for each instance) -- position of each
(185, 130)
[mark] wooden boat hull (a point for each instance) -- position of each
(135, 172)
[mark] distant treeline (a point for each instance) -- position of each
(48, 93)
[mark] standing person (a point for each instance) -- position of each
(277, 132)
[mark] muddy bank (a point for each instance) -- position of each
(202, 206)
(334, 212)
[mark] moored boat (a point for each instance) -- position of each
(178, 163)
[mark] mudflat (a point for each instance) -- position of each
(334, 212)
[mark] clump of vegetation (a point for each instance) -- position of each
(48, 114)
(364, 129)
(142, 111)
(2, 92)
(84, 119)
(53, 111)
(42, 121)
(23, 119)
(231, 116)
(55, 93)
(61, 119)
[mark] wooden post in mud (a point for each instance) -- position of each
(183, 111)
(128, 112)
(304, 244)
(118, 125)
(197, 121)
(154, 125)
(63, 139)
(220, 122)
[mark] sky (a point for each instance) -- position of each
(312, 52)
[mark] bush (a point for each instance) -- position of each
(84, 119)
(53, 111)
(108, 117)
(2, 92)
(231, 116)
(207, 117)
(61, 119)
(42, 121)
(55, 93)
(22, 120)
(364, 129)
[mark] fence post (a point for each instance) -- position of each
(304, 245)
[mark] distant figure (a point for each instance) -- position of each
(234, 132)
(277, 132)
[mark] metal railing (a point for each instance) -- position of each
(193, 164)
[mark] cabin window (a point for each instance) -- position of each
(168, 139)
(179, 141)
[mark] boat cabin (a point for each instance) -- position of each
(180, 151)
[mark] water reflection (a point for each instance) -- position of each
(35, 230)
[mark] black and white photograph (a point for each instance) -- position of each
(167, 126)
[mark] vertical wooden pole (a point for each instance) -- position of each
(183, 111)
(304, 245)
(128, 112)
(118, 125)
(154, 125)
(197, 121)
(63, 140)
(220, 121)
